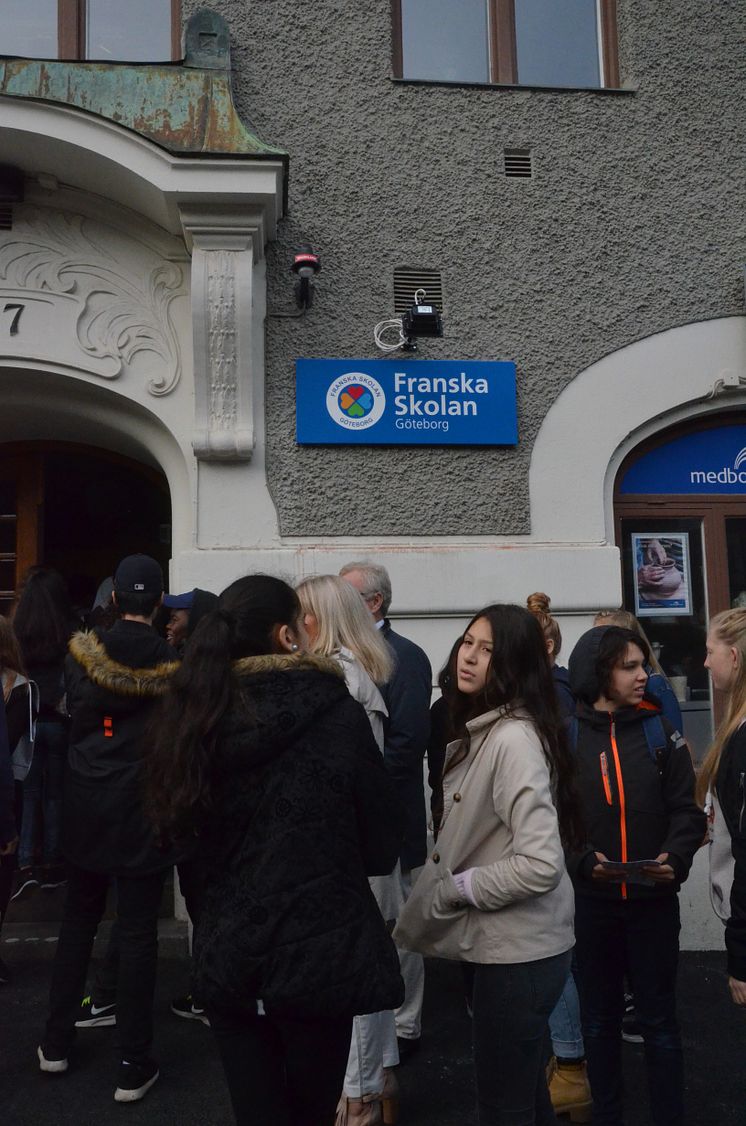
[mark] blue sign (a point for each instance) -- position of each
(406, 402)
(710, 461)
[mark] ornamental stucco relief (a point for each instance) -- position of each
(91, 298)
(221, 341)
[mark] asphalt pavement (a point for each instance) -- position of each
(437, 1084)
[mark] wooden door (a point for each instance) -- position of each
(21, 520)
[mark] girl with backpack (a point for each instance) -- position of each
(43, 623)
(19, 717)
(642, 827)
(721, 786)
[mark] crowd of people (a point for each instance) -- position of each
(268, 744)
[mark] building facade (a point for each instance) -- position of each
(563, 178)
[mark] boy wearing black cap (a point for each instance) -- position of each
(113, 679)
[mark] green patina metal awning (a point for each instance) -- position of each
(186, 107)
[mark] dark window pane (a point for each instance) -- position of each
(445, 40)
(7, 537)
(29, 29)
(7, 497)
(735, 536)
(557, 42)
(677, 640)
(7, 576)
(135, 31)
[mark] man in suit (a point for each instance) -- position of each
(407, 697)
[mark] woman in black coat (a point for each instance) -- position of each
(261, 750)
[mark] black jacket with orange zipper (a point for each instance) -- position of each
(634, 805)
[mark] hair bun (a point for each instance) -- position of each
(538, 603)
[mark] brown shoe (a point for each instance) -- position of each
(367, 1111)
(569, 1090)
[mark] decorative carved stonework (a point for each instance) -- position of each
(226, 327)
(221, 335)
(96, 299)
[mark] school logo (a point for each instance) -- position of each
(355, 401)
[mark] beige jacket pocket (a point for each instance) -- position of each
(433, 920)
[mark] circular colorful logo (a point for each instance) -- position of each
(355, 401)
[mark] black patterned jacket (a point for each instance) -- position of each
(303, 812)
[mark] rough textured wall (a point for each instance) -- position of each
(632, 224)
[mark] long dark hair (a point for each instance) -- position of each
(520, 678)
(43, 618)
(184, 724)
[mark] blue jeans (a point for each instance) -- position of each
(564, 1023)
(42, 795)
(639, 938)
(511, 1005)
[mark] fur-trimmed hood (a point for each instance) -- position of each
(90, 652)
(286, 662)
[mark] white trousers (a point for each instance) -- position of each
(373, 1047)
(409, 1014)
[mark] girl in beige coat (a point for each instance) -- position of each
(494, 891)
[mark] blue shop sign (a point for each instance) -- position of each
(710, 461)
(406, 402)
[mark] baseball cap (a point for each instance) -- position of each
(179, 601)
(138, 574)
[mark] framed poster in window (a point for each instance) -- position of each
(662, 573)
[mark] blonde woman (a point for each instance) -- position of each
(338, 625)
(721, 787)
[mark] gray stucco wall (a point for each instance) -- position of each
(632, 224)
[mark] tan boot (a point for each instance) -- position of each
(366, 1111)
(569, 1090)
(390, 1097)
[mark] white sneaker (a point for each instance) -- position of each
(53, 1066)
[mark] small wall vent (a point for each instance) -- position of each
(6, 217)
(408, 281)
(518, 163)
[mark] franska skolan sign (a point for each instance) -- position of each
(406, 402)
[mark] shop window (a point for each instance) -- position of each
(554, 43)
(96, 30)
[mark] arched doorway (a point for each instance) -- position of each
(78, 509)
(680, 522)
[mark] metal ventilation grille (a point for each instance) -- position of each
(408, 281)
(518, 163)
(6, 218)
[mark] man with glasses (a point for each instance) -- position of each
(407, 697)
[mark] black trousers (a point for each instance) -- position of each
(639, 938)
(511, 1006)
(281, 1071)
(138, 902)
(192, 885)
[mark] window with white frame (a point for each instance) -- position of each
(104, 30)
(556, 43)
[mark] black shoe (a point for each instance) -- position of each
(52, 876)
(631, 1032)
(186, 1007)
(26, 884)
(95, 1016)
(407, 1047)
(5, 974)
(135, 1080)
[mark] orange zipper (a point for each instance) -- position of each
(622, 801)
(605, 777)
